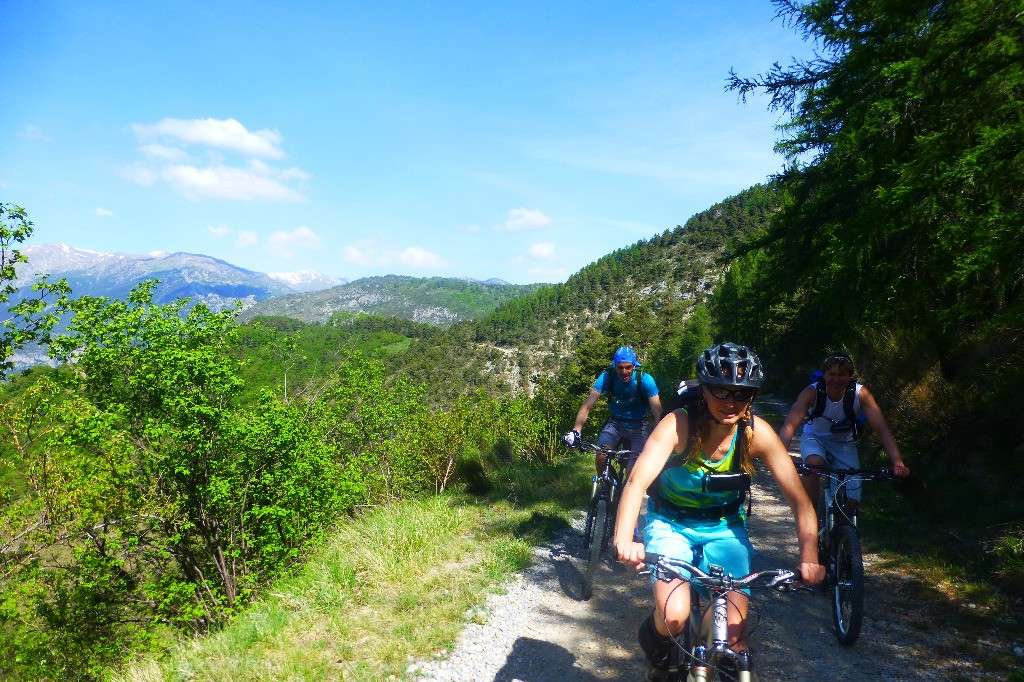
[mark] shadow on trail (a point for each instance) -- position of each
(533, 660)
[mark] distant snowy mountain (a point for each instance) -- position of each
(203, 279)
(200, 278)
(305, 281)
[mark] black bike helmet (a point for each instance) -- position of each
(729, 364)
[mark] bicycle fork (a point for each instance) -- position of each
(701, 666)
(612, 486)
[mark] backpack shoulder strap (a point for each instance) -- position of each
(609, 382)
(819, 401)
(848, 398)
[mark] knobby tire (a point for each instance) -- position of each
(848, 592)
(595, 539)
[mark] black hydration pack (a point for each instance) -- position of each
(689, 397)
(851, 423)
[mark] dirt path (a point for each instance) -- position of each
(541, 630)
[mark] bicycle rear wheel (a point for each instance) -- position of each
(597, 521)
(848, 592)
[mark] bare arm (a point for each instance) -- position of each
(797, 413)
(877, 421)
(581, 416)
(654, 402)
(667, 435)
(769, 448)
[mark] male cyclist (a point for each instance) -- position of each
(632, 395)
(828, 427)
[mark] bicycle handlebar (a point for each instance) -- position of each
(865, 473)
(781, 579)
(593, 447)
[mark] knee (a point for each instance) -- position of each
(675, 620)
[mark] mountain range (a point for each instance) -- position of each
(203, 279)
(304, 295)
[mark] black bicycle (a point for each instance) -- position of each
(839, 547)
(703, 648)
(604, 504)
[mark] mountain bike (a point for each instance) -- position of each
(703, 649)
(839, 544)
(604, 504)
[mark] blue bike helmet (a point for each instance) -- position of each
(625, 354)
(729, 364)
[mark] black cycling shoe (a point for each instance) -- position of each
(663, 666)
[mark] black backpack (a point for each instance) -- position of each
(850, 423)
(688, 396)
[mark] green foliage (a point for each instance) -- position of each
(898, 237)
(903, 196)
(30, 318)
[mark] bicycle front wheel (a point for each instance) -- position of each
(595, 540)
(848, 592)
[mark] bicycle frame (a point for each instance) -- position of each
(602, 509)
(705, 657)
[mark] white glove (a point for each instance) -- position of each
(571, 438)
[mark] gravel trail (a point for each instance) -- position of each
(541, 630)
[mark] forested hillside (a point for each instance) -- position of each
(435, 300)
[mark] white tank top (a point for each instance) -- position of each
(822, 426)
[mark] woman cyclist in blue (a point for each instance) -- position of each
(683, 522)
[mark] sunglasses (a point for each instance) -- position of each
(741, 395)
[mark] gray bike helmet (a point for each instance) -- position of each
(729, 364)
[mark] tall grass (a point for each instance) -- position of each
(394, 585)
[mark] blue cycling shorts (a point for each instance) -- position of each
(723, 542)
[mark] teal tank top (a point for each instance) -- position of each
(681, 485)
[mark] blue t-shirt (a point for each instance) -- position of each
(625, 403)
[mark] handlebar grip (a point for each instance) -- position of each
(651, 558)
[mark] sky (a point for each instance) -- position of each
(517, 140)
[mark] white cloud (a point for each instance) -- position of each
(105, 212)
(242, 237)
(543, 251)
(215, 175)
(421, 258)
(471, 229)
(356, 255)
(160, 152)
(227, 134)
(225, 182)
(523, 219)
(370, 253)
(299, 238)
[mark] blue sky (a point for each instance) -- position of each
(519, 140)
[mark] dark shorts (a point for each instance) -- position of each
(619, 434)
